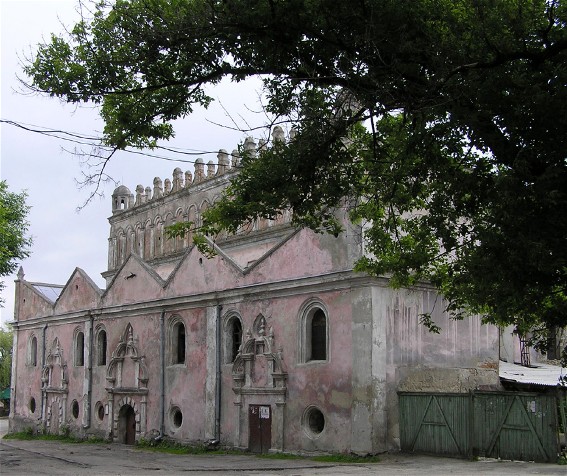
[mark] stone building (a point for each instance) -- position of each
(273, 344)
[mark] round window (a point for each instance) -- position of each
(32, 405)
(176, 417)
(75, 409)
(314, 421)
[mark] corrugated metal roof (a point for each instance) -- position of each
(539, 374)
(50, 291)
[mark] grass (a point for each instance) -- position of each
(171, 447)
(28, 434)
(345, 458)
(279, 456)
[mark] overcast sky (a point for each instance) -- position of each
(47, 169)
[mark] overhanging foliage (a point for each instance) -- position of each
(464, 106)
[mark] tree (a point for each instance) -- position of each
(6, 342)
(14, 244)
(444, 122)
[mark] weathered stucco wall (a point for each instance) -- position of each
(462, 357)
(345, 401)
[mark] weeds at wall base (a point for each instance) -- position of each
(171, 447)
(65, 437)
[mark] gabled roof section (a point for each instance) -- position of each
(246, 258)
(143, 264)
(80, 292)
(35, 299)
(302, 253)
(196, 274)
(135, 281)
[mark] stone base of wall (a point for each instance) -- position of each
(448, 380)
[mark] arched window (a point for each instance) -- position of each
(233, 338)
(177, 342)
(313, 333)
(32, 351)
(79, 349)
(101, 347)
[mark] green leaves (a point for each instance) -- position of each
(441, 124)
(14, 242)
(6, 344)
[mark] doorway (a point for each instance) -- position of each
(260, 428)
(127, 425)
(54, 419)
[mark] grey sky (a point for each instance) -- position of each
(64, 238)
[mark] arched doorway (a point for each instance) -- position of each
(127, 425)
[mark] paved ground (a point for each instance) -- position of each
(54, 458)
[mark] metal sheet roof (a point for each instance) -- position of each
(50, 291)
(539, 374)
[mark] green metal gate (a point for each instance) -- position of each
(508, 425)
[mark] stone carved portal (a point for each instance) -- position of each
(259, 381)
(127, 388)
(54, 389)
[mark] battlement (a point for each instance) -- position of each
(139, 221)
(123, 199)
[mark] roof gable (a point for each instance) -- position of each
(32, 303)
(135, 281)
(302, 254)
(197, 274)
(79, 293)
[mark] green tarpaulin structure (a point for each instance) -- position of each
(5, 394)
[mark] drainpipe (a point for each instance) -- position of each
(218, 375)
(162, 378)
(43, 358)
(14, 375)
(88, 406)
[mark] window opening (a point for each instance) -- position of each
(80, 350)
(33, 351)
(319, 336)
(75, 409)
(236, 337)
(176, 417)
(101, 347)
(100, 411)
(315, 421)
(178, 343)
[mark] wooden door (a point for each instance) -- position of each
(260, 428)
(127, 425)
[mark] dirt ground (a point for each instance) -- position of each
(55, 458)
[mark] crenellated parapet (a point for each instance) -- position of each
(139, 221)
(123, 199)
